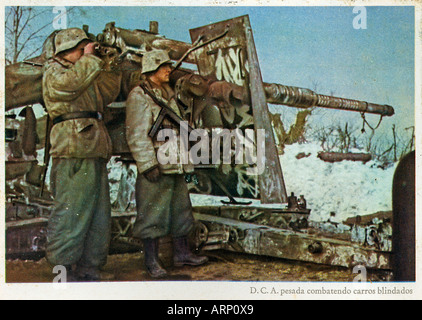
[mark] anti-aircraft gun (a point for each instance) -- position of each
(221, 87)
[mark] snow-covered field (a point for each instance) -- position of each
(345, 188)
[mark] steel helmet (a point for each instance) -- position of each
(69, 38)
(152, 60)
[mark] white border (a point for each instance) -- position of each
(220, 290)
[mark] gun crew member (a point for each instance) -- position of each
(76, 90)
(162, 197)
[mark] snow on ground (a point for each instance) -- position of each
(346, 188)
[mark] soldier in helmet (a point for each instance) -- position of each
(162, 196)
(76, 90)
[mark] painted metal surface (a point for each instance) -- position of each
(404, 219)
(305, 98)
(233, 58)
(26, 239)
(287, 244)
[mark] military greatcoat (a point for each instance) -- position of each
(163, 207)
(79, 226)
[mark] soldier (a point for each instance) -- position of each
(76, 90)
(162, 198)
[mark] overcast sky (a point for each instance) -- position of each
(304, 46)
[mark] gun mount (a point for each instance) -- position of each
(226, 86)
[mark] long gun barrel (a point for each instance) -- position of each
(275, 93)
(305, 98)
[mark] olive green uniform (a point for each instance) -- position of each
(79, 225)
(163, 207)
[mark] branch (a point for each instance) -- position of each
(7, 16)
(31, 37)
(25, 24)
(40, 13)
(29, 56)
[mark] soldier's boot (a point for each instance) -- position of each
(92, 274)
(184, 256)
(70, 274)
(152, 262)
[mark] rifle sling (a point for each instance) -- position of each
(174, 118)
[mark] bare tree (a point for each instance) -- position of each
(23, 40)
(26, 28)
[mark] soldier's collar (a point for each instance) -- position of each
(65, 63)
(165, 91)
